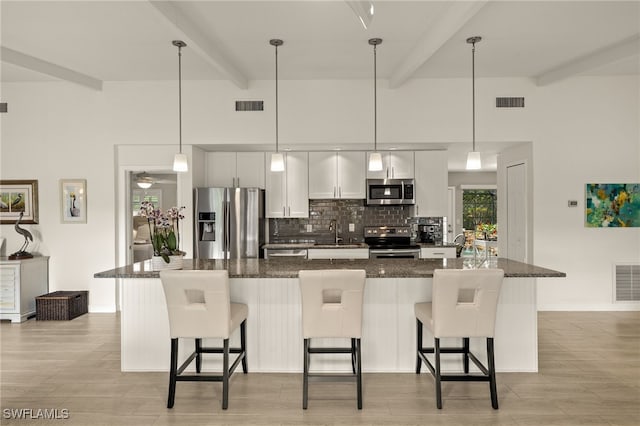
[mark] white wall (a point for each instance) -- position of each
(583, 130)
(587, 131)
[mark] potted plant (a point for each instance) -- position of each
(164, 228)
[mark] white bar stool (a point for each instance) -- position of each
(464, 304)
(199, 307)
(332, 307)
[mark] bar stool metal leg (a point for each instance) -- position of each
(173, 373)
(492, 373)
(353, 355)
(198, 355)
(225, 374)
(437, 373)
(243, 345)
(418, 345)
(305, 379)
(465, 354)
(359, 373)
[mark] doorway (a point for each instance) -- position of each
(480, 220)
(161, 189)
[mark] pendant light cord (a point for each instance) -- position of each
(276, 46)
(180, 95)
(473, 92)
(375, 99)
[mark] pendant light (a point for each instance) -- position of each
(277, 159)
(375, 158)
(180, 163)
(473, 158)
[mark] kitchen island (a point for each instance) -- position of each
(274, 329)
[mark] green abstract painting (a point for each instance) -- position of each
(612, 205)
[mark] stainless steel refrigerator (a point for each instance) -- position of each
(229, 223)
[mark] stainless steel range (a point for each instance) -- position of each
(390, 242)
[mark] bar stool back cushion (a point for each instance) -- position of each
(199, 305)
(332, 302)
(464, 302)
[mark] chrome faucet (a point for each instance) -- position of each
(333, 226)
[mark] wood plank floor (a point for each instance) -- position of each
(589, 375)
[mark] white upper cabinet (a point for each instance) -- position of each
(287, 192)
(431, 183)
(235, 169)
(395, 165)
(334, 175)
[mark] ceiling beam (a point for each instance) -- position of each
(36, 64)
(199, 42)
(445, 27)
(615, 52)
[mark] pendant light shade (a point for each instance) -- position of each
(375, 162)
(473, 158)
(375, 158)
(180, 163)
(277, 159)
(277, 162)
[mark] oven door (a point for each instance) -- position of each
(394, 253)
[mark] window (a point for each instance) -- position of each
(152, 195)
(479, 207)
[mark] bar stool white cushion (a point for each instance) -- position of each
(332, 302)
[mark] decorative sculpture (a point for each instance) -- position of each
(22, 253)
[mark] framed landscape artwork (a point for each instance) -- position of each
(612, 205)
(18, 196)
(73, 200)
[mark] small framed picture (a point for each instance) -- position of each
(73, 200)
(18, 197)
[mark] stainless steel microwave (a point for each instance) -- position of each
(390, 192)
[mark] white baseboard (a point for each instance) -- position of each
(626, 306)
(103, 309)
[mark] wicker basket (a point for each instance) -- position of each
(62, 305)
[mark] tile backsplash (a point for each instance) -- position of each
(344, 212)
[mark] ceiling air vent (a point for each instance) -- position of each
(509, 102)
(249, 105)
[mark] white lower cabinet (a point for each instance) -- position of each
(342, 253)
(437, 252)
(21, 281)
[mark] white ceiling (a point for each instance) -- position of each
(89, 42)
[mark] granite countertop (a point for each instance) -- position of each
(375, 268)
(289, 246)
(430, 245)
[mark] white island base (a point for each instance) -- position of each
(274, 330)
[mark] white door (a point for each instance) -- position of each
(517, 213)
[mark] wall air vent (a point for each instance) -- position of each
(509, 102)
(249, 105)
(627, 282)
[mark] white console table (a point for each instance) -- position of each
(21, 281)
